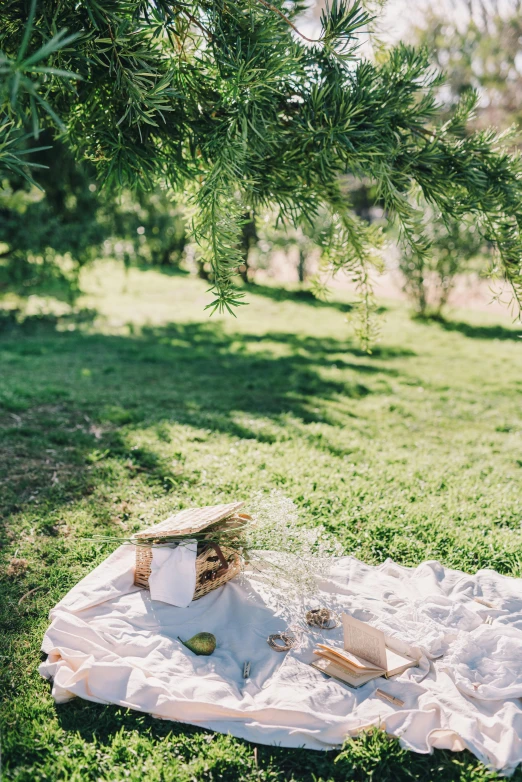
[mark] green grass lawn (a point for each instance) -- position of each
(140, 404)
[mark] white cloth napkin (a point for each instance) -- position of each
(173, 574)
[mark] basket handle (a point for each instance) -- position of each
(221, 557)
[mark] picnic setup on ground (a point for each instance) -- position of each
(198, 620)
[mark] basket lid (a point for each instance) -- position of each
(190, 520)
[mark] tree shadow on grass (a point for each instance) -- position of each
(298, 296)
(211, 379)
(169, 270)
(335, 351)
(16, 323)
(480, 332)
(370, 756)
(87, 391)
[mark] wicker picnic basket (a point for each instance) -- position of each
(215, 565)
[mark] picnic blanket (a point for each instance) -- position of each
(110, 643)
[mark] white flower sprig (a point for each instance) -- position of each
(288, 557)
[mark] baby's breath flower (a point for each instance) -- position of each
(296, 557)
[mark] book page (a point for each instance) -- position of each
(354, 672)
(346, 658)
(364, 641)
(396, 663)
(342, 675)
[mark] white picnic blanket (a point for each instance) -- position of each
(110, 643)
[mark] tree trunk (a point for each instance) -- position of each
(301, 266)
(202, 272)
(248, 240)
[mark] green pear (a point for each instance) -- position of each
(201, 643)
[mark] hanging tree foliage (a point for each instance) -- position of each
(225, 99)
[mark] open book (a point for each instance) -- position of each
(365, 655)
